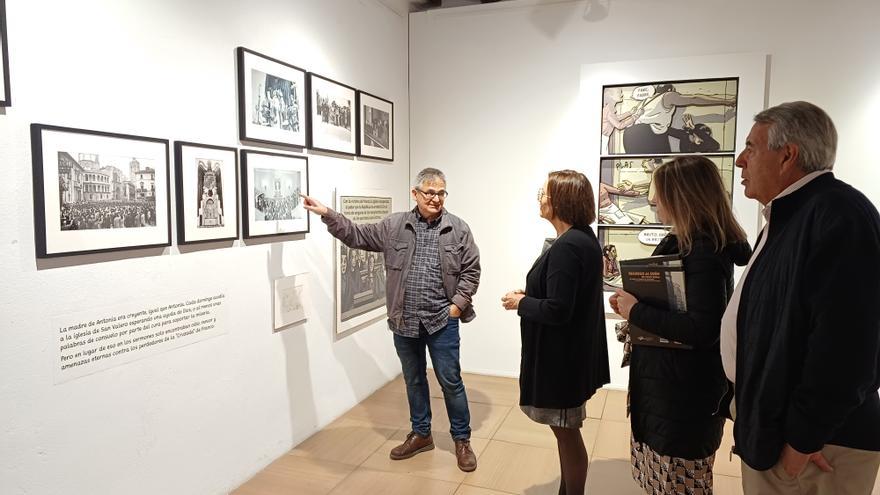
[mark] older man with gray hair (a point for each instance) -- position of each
(801, 336)
(433, 270)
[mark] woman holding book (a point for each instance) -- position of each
(562, 323)
(677, 392)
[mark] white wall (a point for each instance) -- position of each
(200, 419)
(494, 102)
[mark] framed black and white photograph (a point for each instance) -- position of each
(331, 116)
(360, 275)
(376, 124)
(207, 192)
(271, 184)
(98, 191)
(5, 94)
(271, 100)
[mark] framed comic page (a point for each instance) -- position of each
(271, 184)
(360, 275)
(376, 127)
(271, 100)
(206, 192)
(98, 191)
(623, 243)
(662, 117)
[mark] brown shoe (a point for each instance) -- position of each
(413, 445)
(467, 460)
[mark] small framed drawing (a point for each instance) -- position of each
(98, 191)
(291, 294)
(331, 116)
(207, 192)
(360, 275)
(5, 95)
(271, 100)
(376, 124)
(271, 184)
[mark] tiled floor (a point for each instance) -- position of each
(515, 455)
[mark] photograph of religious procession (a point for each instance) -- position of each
(376, 127)
(360, 275)
(207, 192)
(332, 116)
(669, 117)
(98, 191)
(271, 188)
(626, 188)
(271, 100)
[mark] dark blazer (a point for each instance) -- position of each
(676, 394)
(808, 327)
(564, 351)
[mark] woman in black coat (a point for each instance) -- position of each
(676, 394)
(564, 352)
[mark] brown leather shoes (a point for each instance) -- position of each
(467, 460)
(413, 445)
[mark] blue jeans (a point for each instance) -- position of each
(443, 346)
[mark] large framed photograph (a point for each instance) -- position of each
(360, 275)
(271, 100)
(661, 117)
(625, 243)
(271, 184)
(626, 187)
(98, 191)
(331, 116)
(5, 94)
(376, 124)
(207, 192)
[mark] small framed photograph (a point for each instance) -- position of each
(271, 184)
(271, 100)
(376, 124)
(5, 94)
(331, 116)
(291, 294)
(207, 192)
(98, 191)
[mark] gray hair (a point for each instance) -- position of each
(805, 125)
(428, 174)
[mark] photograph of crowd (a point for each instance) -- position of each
(376, 127)
(362, 280)
(105, 192)
(331, 116)
(276, 195)
(209, 193)
(335, 112)
(275, 102)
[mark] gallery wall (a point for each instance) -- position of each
(205, 417)
(495, 102)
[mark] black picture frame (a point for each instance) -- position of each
(375, 118)
(289, 175)
(199, 216)
(280, 117)
(82, 206)
(6, 94)
(332, 126)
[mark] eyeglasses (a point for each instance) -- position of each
(541, 194)
(429, 195)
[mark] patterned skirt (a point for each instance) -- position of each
(572, 417)
(665, 475)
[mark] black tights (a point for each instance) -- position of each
(572, 460)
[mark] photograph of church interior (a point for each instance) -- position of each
(439, 247)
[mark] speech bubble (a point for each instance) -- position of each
(643, 92)
(651, 237)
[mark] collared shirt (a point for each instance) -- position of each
(424, 299)
(728, 321)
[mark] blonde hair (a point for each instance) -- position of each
(696, 202)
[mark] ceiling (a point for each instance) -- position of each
(403, 7)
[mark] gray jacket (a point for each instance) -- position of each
(395, 237)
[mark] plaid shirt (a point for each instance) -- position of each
(424, 299)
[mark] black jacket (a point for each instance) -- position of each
(676, 394)
(808, 327)
(564, 351)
